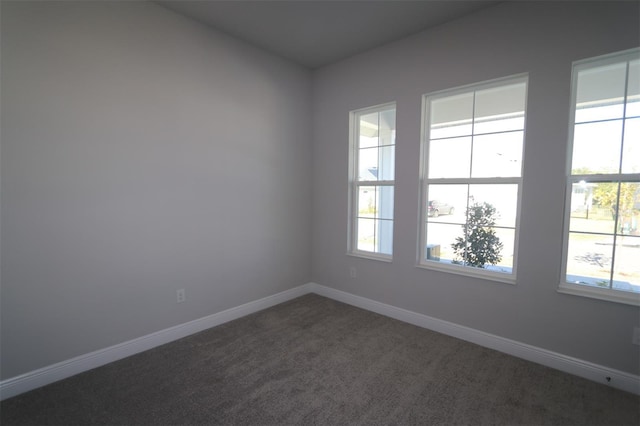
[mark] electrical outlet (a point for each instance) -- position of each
(353, 272)
(636, 336)
(180, 295)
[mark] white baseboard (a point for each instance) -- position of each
(597, 373)
(62, 370)
(44, 376)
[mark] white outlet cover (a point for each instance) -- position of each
(353, 272)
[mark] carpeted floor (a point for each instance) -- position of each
(317, 361)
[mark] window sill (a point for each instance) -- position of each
(371, 256)
(466, 271)
(608, 295)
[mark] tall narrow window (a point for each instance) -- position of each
(602, 213)
(471, 178)
(372, 174)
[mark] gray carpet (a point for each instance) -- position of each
(317, 361)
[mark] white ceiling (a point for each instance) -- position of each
(315, 33)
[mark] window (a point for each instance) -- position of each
(602, 210)
(372, 174)
(471, 178)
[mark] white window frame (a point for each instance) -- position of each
(607, 294)
(425, 181)
(355, 184)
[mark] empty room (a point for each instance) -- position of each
(320, 212)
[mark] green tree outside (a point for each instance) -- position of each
(481, 245)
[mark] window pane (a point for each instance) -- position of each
(631, 147)
(589, 259)
(629, 209)
(366, 234)
(600, 93)
(596, 147)
(384, 196)
(368, 130)
(480, 247)
(447, 203)
(497, 155)
(387, 127)
(368, 164)
(386, 163)
(451, 116)
(502, 197)
(506, 124)
(445, 244)
(450, 158)
(375, 235)
(593, 207)
(507, 238)
(367, 203)
(377, 163)
(384, 236)
(375, 219)
(633, 90)
(375, 202)
(500, 109)
(440, 238)
(626, 272)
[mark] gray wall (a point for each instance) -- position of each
(141, 153)
(540, 38)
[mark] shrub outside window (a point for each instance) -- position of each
(372, 175)
(473, 142)
(602, 211)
